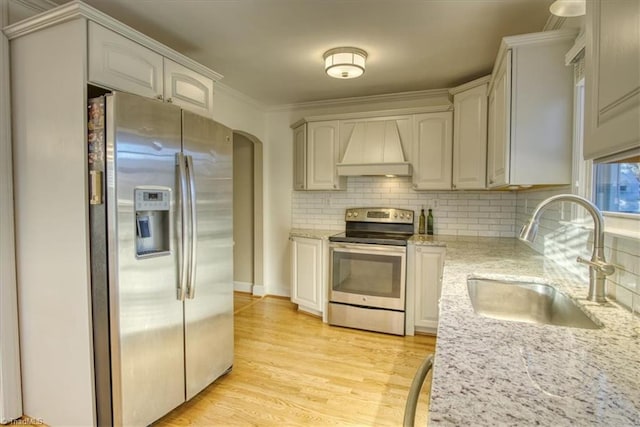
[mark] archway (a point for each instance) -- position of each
(248, 271)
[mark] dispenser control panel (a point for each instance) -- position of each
(152, 221)
(156, 200)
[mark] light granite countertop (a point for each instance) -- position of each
(490, 372)
(313, 234)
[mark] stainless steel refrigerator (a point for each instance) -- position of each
(162, 255)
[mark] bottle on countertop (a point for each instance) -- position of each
(430, 222)
(421, 222)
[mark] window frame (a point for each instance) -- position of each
(583, 171)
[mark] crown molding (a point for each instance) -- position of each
(470, 85)
(240, 96)
(357, 100)
(365, 115)
(77, 9)
(554, 23)
(543, 37)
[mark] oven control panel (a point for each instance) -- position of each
(383, 215)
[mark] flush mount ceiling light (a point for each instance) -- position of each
(345, 62)
(568, 8)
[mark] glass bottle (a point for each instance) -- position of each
(430, 223)
(421, 222)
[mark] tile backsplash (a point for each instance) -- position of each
(564, 239)
(481, 213)
(458, 213)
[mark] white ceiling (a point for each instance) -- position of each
(271, 50)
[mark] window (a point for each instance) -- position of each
(617, 184)
(612, 183)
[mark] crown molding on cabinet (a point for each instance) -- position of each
(357, 100)
(554, 23)
(77, 9)
(373, 114)
(510, 42)
(470, 85)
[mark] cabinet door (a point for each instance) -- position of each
(306, 272)
(323, 152)
(432, 151)
(470, 139)
(188, 89)
(116, 62)
(612, 103)
(300, 157)
(499, 125)
(429, 263)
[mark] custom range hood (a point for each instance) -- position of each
(374, 148)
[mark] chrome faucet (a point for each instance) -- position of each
(598, 266)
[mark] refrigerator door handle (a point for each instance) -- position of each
(184, 218)
(194, 230)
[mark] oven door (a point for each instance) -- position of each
(368, 275)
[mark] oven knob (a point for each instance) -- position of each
(355, 214)
(395, 216)
(349, 215)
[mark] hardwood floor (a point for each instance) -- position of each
(290, 369)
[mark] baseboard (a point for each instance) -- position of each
(243, 287)
(258, 290)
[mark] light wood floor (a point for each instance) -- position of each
(290, 369)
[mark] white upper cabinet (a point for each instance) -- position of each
(499, 125)
(316, 151)
(530, 117)
(432, 151)
(116, 62)
(470, 135)
(323, 153)
(612, 56)
(300, 157)
(187, 89)
(119, 63)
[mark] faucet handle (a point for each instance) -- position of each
(599, 265)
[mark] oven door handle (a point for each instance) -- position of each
(368, 248)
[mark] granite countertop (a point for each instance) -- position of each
(313, 234)
(491, 372)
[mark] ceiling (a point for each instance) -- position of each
(271, 50)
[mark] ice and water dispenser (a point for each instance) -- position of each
(152, 208)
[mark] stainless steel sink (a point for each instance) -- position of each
(526, 302)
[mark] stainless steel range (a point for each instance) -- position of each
(368, 270)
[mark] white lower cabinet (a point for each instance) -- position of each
(309, 258)
(424, 282)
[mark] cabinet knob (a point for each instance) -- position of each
(490, 181)
(169, 100)
(159, 97)
(415, 185)
(453, 186)
(335, 186)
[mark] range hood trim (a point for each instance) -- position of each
(374, 169)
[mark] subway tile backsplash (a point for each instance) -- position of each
(563, 239)
(481, 213)
(458, 213)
